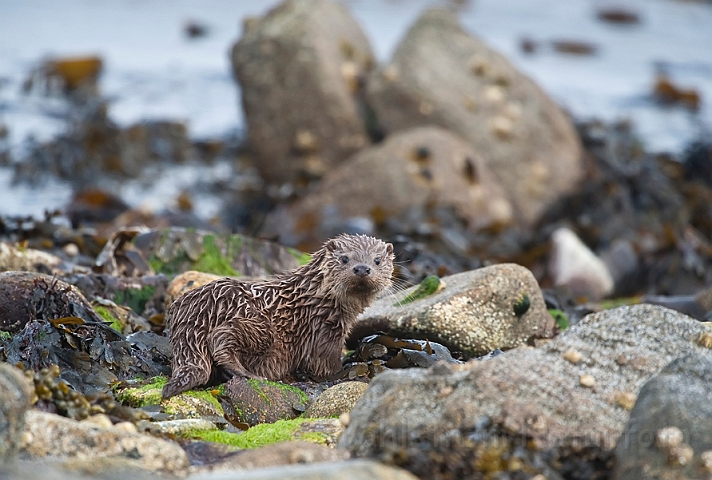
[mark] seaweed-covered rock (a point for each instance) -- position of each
(25, 296)
(500, 306)
(51, 436)
(442, 75)
(423, 169)
(565, 403)
(15, 398)
(300, 70)
(136, 252)
(261, 401)
(336, 400)
(669, 433)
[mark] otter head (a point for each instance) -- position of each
(357, 268)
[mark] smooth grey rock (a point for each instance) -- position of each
(426, 168)
(59, 438)
(300, 70)
(336, 400)
(442, 75)
(570, 395)
(346, 470)
(677, 397)
(473, 314)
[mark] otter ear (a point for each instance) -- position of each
(389, 248)
(331, 246)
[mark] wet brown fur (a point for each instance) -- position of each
(270, 328)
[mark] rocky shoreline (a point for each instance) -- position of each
(551, 303)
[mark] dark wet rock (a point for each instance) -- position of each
(283, 453)
(25, 296)
(136, 252)
(422, 169)
(563, 404)
(670, 430)
(475, 312)
(336, 400)
(575, 269)
(442, 75)
(28, 260)
(15, 398)
(300, 70)
(261, 401)
(345, 470)
(51, 436)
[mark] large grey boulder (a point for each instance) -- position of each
(417, 170)
(442, 75)
(344, 470)
(570, 398)
(300, 69)
(49, 436)
(669, 433)
(500, 306)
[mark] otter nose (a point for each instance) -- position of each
(362, 270)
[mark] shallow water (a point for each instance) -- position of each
(152, 71)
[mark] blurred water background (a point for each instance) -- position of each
(153, 71)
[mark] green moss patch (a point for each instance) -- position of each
(302, 258)
(190, 404)
(257, 436)
(144, 395)
(109, 317)
(427, 287)
(213, 261)
(5, 335)
(562, 321)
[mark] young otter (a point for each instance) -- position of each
(270, 328)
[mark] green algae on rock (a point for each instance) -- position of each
(190, 404)
(429, 285)
(311, 430)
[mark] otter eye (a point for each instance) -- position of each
(377, 260)
(344, 259)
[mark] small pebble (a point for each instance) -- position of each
(100, 420)
(445, 391)
(573, 356)
(705, 339)
(587, 381)
(681, 455)
(668, 438)
(706, 458)
(626, 400)
(71, 249)
(126, 427)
